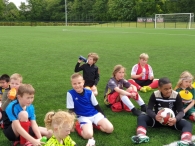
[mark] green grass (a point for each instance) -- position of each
(46, 57)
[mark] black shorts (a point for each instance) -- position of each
(143, 82)
(9, 133)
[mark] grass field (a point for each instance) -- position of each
(46, 57)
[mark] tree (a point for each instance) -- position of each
(100, 9)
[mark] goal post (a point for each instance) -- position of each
(174, 20)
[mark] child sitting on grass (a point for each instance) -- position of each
(90, 72)
(164, 97)
(115, 91)
(142, 75)
(15, 82)
(187, 93)
(20, 123)
(84, 104)
(60, 123)
(4, 82)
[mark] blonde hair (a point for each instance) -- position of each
(58, 119)
(75, 75)
(186, 75)
(94, 56)
(26, 88)
(116, 69)
(16, 76)
(143, 56)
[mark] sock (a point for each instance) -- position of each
(127, 102)
(191, 118)
(135, 84)
(141, 130)
(140, 101)
(78, 128)
(154, 84)
(96, 127)
(186, 136)
(25, 126)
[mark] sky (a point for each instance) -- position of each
(17, 2)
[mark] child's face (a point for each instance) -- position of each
(4, 84)
(166, 90)
(64, 131)
(77, 84)
(120, 74)
(90, 60)
(15, 83)
(186, 83)
(143, 61)
(26, 99)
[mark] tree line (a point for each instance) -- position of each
(91, 10)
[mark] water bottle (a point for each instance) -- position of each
(12, 94)
(83, 59)
(144, 73)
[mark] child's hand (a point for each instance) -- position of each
(37, 142)
(172, 121)
(79, 61)
(151, 78)
(158, 117)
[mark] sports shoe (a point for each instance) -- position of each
(143, 89)
(140, 139)
(185, 143)
(136, 112)
(148, 88)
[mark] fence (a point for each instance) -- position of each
(96, 24)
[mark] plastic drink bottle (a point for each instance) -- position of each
(83, 59)
(12, 94)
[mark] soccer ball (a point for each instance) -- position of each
(166, 113)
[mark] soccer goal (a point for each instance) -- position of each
(175, 20)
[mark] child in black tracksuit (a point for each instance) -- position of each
(164, 97)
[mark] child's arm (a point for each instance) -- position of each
(189, 106)
(151, 104)
(151, 74)
(97, 77)
(35, 129)
(97, 107)
(19, 130)
(78, 67)
(5, 100)
(121, 91)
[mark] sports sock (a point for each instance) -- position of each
(141, 130)
(78, 128)
(154, 84)
(96, 127)
(127, 102)
(25, 126)
(186, 136)
(135, 84)
(191, 118)
(140, 101)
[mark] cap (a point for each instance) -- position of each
(186, 95)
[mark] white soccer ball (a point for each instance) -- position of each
(166, 113)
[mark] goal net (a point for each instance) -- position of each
(175, 20)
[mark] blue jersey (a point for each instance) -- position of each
(13, 109)
(83, 104)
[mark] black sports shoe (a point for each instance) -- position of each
(136, 112)
(144, 108)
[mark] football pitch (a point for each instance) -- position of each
(46, 57)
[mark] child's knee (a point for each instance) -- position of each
(109, 128)
(23, 116)
(87, 135)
